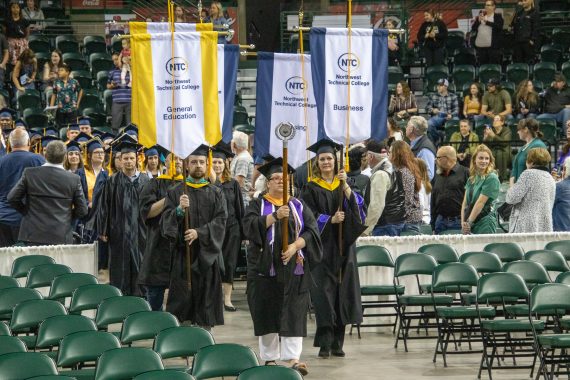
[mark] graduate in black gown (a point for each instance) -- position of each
(336, 297)
(158, 254)
(119, 222)
(234, 205)
(202, 304)
(279, 283)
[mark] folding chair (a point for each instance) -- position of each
(146, 325)
(212, 361)
(181, 342)
(506, 251)
(126, 363)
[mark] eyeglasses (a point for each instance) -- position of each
(101, 152)
(441, 157)
(277, 179)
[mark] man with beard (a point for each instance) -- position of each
(155, 267)
(119, 223)
(196, 295)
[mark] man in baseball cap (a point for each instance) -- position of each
(442, 106)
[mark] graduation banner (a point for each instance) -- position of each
(279, 94)
(227, 79)
(141, 27)
(363, 95)
(175, 93)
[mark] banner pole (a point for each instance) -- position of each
(305, 99)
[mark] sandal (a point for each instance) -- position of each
(301, 368)
(270, 362)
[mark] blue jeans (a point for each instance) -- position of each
(415, 227)
(155, 297)
(444, 223)
(436, 132)
(529, 115)
(561, 117)
(388, 230)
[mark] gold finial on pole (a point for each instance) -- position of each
(200, 11)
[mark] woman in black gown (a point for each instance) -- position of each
(336, 297)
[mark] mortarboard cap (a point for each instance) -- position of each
(324, 146)
(107, 136)
(7, 112)
(84, 120)
(47, 139)
(33, 134)
(272, 167)
(202, 150)
(94, 144)
(152, 151)
(131, 129)
(73, 127)
(82, 137)
(222, 150)
(128, 147)
(73, 146)
(20, 123)
(50, 132)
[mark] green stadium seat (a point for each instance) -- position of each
(39, 43)
(64, 285)
(90, 99)
(43, 275)
(463, 74)
(517, 72)
(84, 78)
(434, 73)
(23, 365)
(489, 71)
(88, 297)
(102, 79)
(23, 264)
(42, 58)
(563, 278)
(8, 282)
(165, 374)
(566, 69)
(4, 329)
(75, 61)
(464, 56)
(270, 372)
(551, 53)
(12, 296)
(395, 75)
(455, 40)
(9, 344)
(53, 329)
(544, 71)
(562, 246)
(212, 361)
(483, 262)
(553, 261)
(549, 129)
(181, 342)
(116, 309)
(100, 62)
(126, 363)
(97, 115)
(94, 44)
(561, 37)
(510, 87)
(506, 251)
(442, 253)
(108, 101)
(146, 325)
(35, 118)
(116, 44)
(67, 44)
(27, 316)
(30, 98)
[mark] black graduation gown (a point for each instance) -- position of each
(157, 259)
(203, 304)
(119, 219)
(232, 240)
(329, 291)
(279, 304)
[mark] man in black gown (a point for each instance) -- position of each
(119, 222)
(200, 303)
(157, 260)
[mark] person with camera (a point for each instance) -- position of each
(488, 27)
(556, 103)
(431, 38)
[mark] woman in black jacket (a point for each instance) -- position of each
(431, 37)
(488, 28)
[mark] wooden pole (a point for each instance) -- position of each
(285, 223)
(186, 227)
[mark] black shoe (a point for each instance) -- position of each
(324, 353)
(338, 352)
(230, 308)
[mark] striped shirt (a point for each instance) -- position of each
(120, 94)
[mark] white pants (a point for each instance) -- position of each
(291, 347)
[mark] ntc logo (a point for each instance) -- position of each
(295, 85)
(348, 60)
(177, 66)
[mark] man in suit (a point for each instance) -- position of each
(49, 198)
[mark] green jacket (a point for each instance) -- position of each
(519, 163)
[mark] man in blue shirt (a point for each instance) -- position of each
(419, 142)
(11, 168)
(121, 106)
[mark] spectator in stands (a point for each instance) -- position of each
(179, 14)
(393, 44)
(421, 145)
(498, 138)
(4, 60)
(442, 106)
(564, 153)
(49, 198)
(473, 102)
(121, 106)
(17, 31)
(526, 30)
(242, 165)
(448, 191)
(404, 162)
(394, 131)
(532, 196)
(25, 71)
(425, 192)
(496, 101)
(488, 28)
(557, 100)
(217, 18)
(35, 15)
(125, 58)
(11, 168)
(431, 38)
(403, 103)
(357, 181)
(481, 190)
(51, 71)
(529, 132)
(561, 208)
(526, 100)
(385, 195)
(465, 142)
(66, 96)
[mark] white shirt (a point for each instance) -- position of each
(59, 166)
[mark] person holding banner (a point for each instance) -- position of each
(234, 204)
(157, 259)
(196, 296)
(340, 215)
(278, 283)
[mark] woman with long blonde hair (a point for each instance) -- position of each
(481, 190)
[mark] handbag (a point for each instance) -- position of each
(504, 211)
